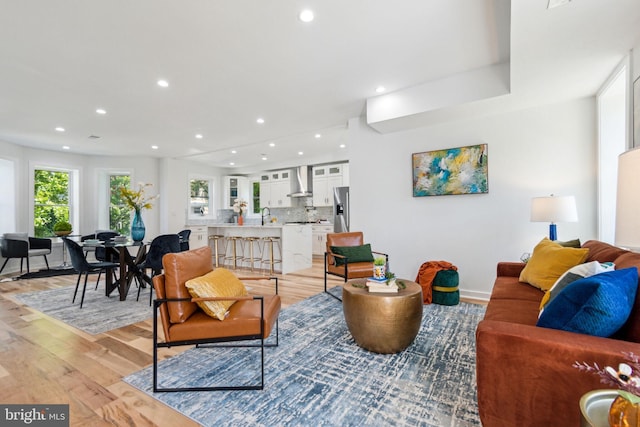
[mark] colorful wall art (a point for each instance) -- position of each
(462, 170)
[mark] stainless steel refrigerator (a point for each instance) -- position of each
(341, 209)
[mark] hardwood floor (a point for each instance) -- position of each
(44, 361)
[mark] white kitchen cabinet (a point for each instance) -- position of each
(235, 187)
(325, 178)
(274, 187)
(199, 237)
(319, 238)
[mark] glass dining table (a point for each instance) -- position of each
(128, 265)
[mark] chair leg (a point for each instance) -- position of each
(45, 261)
(28, 265)
(76, 291)
(98, 281)
(84, 288)
(21, 263)
(5, 263)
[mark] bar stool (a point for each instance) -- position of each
(216, 238)
(232, 256)
(249, 243)
(268, 257)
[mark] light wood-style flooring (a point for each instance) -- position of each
(44, 361)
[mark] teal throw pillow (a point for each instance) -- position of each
(575, 243)
(353, 253)
(598, 305)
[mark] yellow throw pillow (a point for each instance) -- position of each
(549, 261)
(218, 283)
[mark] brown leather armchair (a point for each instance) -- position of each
(185, 323)
(348, 270)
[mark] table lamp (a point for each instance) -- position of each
(554, 209)
(628, 200)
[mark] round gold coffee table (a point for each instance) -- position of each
(382, 322)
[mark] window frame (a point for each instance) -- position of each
(212, 194)
(73, 190)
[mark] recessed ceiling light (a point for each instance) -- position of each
(556, 3)
(101, 111)
(233, 151)
(60, 129)
(198, 135)
(163, 83)
(300, 153)
(306, 15)
(264, 157)
(272, 144)
(231, 164)
(154, 147)
(380, 89)
(318, 136)
(260, 120)
(342, 145)
(66, 147)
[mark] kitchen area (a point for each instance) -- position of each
(295, 208)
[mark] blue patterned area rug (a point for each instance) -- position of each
(319, 376)
(99, 313)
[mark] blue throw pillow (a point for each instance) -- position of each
(597, 305)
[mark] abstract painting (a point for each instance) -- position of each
(462, 170)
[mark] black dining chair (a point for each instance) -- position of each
(160, 246)
(82, 266)
(101, 253)
(184, 239)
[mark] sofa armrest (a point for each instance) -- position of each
(526, 372)
(511, 269)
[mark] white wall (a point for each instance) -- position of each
(535, 152)
(169, 178)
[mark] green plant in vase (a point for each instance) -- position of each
(379, 267)
(62, 228)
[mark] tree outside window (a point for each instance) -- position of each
(255, 196)
(199, 197)
(119, 212)
(51, 200)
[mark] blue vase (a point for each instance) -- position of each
(137, 227)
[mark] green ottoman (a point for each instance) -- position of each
(445, 288)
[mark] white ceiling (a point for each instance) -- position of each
(230, 62)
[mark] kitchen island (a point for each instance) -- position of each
(294, 238)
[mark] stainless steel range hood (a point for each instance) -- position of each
(302, 182)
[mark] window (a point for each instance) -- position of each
(52, 191)
(119, 212)
(200, 197)
(612, 141)
(7, 197)
(255, 197)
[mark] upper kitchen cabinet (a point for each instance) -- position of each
(235, 187)
(274, 187)
(325, 178)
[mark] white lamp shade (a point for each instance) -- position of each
(554, 209)
(628, 200)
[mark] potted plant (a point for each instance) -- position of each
(62, 228)
(379, 267)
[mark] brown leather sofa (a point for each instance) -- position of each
(524, 373)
